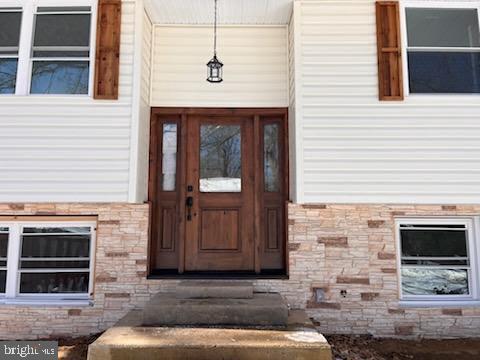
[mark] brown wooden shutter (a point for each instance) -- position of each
(107, 60)
(390, 80)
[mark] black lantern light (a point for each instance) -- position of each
(214, 66)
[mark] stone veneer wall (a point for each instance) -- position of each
(333, 247)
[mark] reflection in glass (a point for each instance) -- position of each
(442, 27)
(60, 77)
(425, 281)
(3, 258)
(271, 161)
(3, 245)
(444, 72)
(8, 75)
(54, 283)
(220, 158)
(169, 156)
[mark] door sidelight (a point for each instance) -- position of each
(189, 204)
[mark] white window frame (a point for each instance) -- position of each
(25, 59)
(453, 4)
(472, 227)
(12, 291)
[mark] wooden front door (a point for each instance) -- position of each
(219, 220)
(218, 190)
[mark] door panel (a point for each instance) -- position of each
(219, 235)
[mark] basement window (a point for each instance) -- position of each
(443, 49)
(436, 259)
(46, 261)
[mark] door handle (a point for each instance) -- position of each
(189, 204)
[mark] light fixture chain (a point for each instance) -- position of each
(215, 31)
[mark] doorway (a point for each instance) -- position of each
(218, 187)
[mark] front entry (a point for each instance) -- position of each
(218, 190)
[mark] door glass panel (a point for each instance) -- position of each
(169, 156)
(271, 161)
(220, 158)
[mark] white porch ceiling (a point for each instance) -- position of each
(200, 12)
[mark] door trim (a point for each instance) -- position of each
(181, 114)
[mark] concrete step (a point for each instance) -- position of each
(214, 289)
(267, 310)
(299, 341)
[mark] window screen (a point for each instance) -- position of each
(435, 260)
(61, 51)
(10, 22)
(443, 50)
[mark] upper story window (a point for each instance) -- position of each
(61, 50)
(437, 259)
(10, 22)
(46, 49)
(443, 49)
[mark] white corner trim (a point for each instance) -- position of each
(135, 125)
(297, 63)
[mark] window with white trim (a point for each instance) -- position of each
(10, 22)
(45, 49)
(437, 259)
(443, 47)
(46, 260)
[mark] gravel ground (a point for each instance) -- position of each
(346, 347)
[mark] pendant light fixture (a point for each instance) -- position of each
(214, 66)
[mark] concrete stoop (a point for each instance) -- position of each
(299, 341)
(212, 320)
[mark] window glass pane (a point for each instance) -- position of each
(423, 281)
(447, 72)
(271, 161)
(54, 283)
(45, 246)
(62, 30)
(8, 75)
(169, 156)
(27, 264)
(3, 245)
(220, 158)
(56, 230)
(10, 29)
(434, 243)
(442, 27)
(63, 8)
(3, 280)
(57, 54)
(60, 77)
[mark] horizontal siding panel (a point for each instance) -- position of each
(425, 149)
(69, 149)
(255, 71)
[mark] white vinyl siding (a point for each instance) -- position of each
(63, 148)
(358, 149)
(255, 71)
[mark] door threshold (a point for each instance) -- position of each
(217, 275)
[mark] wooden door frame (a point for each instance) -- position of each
(181, 113)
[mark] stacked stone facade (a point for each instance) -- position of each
(347, 251)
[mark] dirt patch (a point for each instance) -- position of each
(346, 347)
(75, 348)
